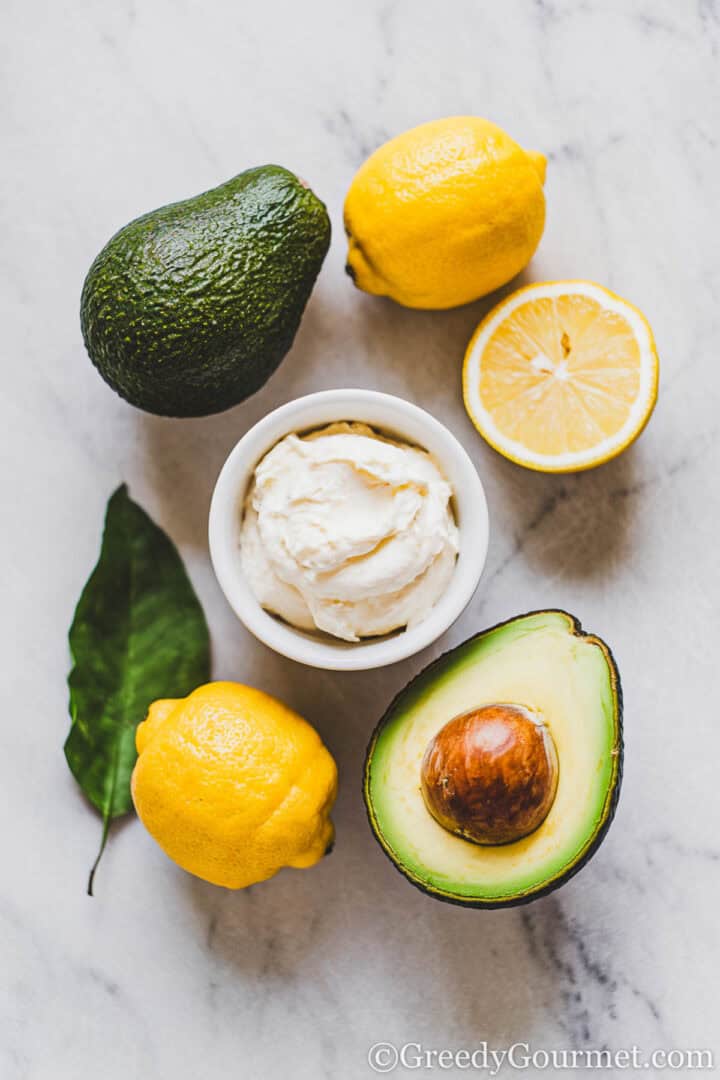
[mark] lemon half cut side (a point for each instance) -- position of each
(561, 376)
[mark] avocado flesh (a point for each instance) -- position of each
(189, 309)
(542, 661)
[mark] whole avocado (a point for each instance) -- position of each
(189, 309)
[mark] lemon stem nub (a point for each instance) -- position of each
(539, 164)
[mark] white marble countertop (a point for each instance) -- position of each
(112, 109)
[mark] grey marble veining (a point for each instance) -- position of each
(113, 109)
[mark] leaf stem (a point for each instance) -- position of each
(98, 857)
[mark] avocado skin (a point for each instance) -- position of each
(189, 309)
(576, 867)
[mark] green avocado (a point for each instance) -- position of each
(540, 665)
(190, 309)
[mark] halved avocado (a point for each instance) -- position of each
(540, 665)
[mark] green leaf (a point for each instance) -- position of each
(139, 634)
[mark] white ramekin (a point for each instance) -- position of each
(395, 417)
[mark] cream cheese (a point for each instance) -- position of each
(348, 532)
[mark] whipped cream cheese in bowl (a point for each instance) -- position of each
(347, 532)
(348, 529)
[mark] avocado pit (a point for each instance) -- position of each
(490, 775)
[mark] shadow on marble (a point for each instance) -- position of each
(181, 460)
(480, 975)
(317, 926)
(577, 525)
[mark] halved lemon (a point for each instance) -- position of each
(561, 376)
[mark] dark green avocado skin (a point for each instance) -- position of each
(529, 898)
(189, 309)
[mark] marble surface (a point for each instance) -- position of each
(112, 109)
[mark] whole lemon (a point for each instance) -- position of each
(233, 785)
(444, 213)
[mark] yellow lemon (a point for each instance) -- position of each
(233, 785)
(444, 213)
(561, 376)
